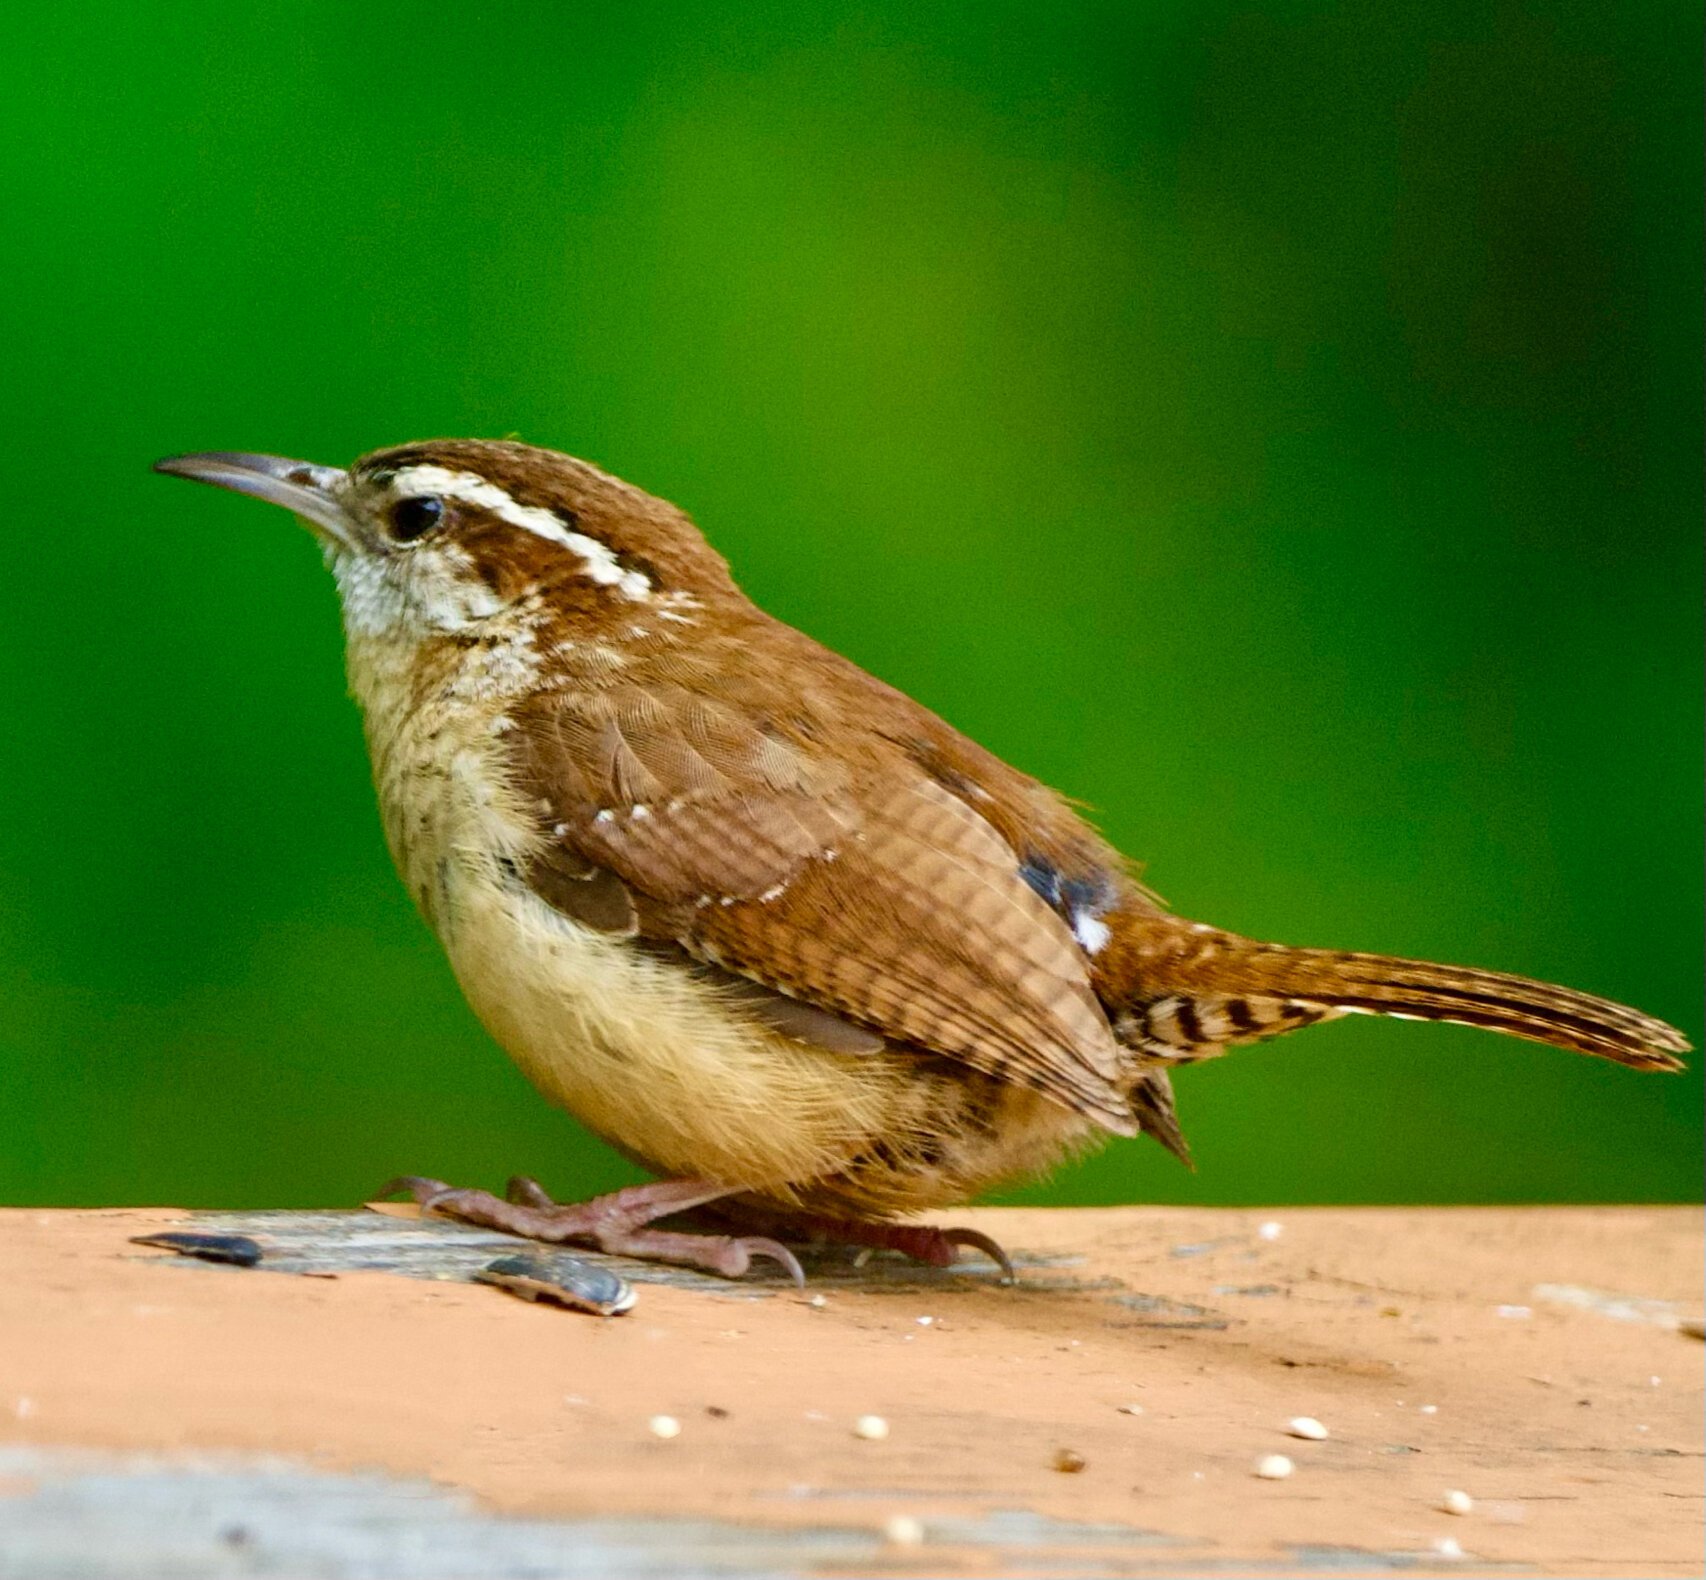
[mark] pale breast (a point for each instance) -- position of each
(671, 1068)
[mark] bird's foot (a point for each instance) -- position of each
(618, 1223)
(922, 1242)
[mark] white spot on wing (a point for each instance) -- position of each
(1091, 932)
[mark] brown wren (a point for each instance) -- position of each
(765, 924)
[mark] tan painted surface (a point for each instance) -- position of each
(1576, 1430)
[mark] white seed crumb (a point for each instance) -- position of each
(605, 816)
(903, 1531)
(1306, 1426)
(1515, 1313)
(818, 1301)
(1271, 1230)
(1274, 1467)
(1448, 1547)
(873, 1428)
(1457, 1501)
(1131, 1409)
(1654, 1382)
(664, 1426)
(1430, 1409)
(24, 1408)
(925, 1322)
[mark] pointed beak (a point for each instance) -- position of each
(312, 492)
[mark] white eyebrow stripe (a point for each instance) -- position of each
(601, 563)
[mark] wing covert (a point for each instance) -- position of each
(864, 888)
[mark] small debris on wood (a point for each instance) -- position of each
(1068, 1461)
(234, 1250)
(873, 1428)
(1448, 1547)
(1457, 1502)
(903, 1531)
(1274, 1467)
(1270, 1230)
(664, 1427)
(1306, 1426)
(716, 1412)
(560, 1281)
(1130, 1409)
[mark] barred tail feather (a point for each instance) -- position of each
(1518, 1006)
(1215, 989)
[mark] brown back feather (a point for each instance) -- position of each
(856, 883)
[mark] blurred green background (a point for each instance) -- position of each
(1278, 425)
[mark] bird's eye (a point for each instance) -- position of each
(414, 518)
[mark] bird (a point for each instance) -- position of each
(775, 931)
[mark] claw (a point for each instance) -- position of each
(777, 1252)
(525, 1191)
(979, 1241)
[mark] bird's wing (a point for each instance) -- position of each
(863, 890)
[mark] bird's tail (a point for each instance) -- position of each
(1198, 991)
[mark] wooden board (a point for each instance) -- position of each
(319, 1416)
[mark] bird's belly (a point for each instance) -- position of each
(657, 1061)
(953, 1134)
(665, 1067)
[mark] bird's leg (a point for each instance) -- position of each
(617, 1223)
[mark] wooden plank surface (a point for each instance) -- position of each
(355, 1406)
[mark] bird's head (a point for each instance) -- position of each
(437, 538)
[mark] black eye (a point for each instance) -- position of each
(414, 518)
